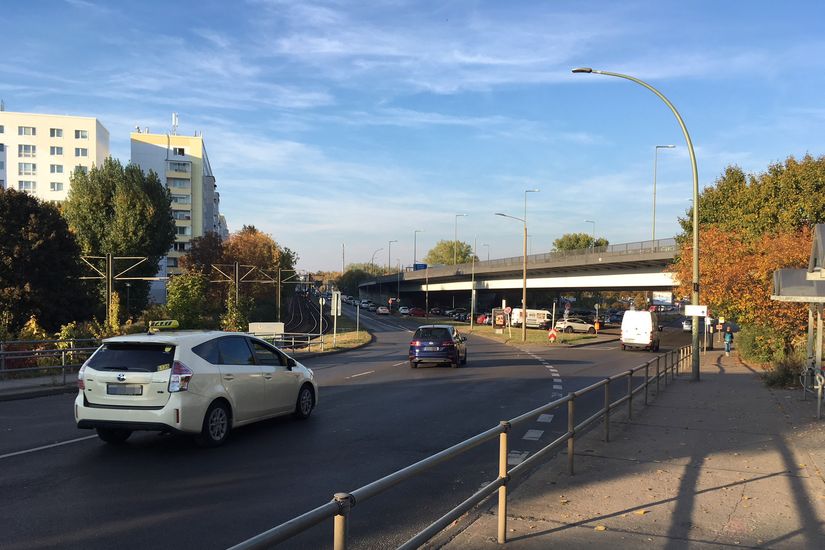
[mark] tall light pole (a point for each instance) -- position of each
(523, 277)
(488, 250)
(655, 162)
(415, 245)
(372, 260)
(695, 286)
(593, 244)
(389, 253)
(455, 238)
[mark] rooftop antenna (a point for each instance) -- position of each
(174, 124)
(137, 128)
(2, 105)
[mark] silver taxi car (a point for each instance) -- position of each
(199, 383)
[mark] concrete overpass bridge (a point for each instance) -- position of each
(630, 267)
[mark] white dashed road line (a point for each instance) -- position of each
(533, 435)
(44, 447)
(546, 418)
(361, 374)
(516, 457)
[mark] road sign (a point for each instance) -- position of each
(551, 334)
(508, 310)
(696, 311)
(721, 320)
(336, 303)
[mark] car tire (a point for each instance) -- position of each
(217, 423)
(114, 436)
(305, 403)
(413, 365)
(464, 360)
(568, 330)
(623, 347)
(591, 330)
(457, 363)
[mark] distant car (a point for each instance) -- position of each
(200, 383)
(365, 304)
(435, 311)
(417, 312)
(382, 310)
(575, 324)
(687, 324)
(403, 310)
(615, 317)
(438, 344)
(372, 307)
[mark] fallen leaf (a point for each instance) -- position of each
(641, 512)
(564, 501)
(601, 528)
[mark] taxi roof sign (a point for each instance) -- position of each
(164, 324)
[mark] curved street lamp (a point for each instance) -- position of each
(372, 260)
(695, 286)
(523, 276)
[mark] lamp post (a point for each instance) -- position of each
(372, 260)
(415, 245)
(389, 253)
(592, 244)
(695, 286)
(455, 238)
(488, 250)
(655, 162)
(128, 288)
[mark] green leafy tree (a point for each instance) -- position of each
(578, 241)
(39, 264)
(186, 298)
(349, 281)
(203, 253)
(124, 212)
(236, 315)
(445, 251)
(366, 267)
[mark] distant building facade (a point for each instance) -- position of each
(39, 152)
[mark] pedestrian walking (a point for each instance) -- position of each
(728, 340)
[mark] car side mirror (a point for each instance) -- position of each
(660, 328)
(290, 362)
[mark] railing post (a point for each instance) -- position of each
(571, 427)
(607, 411)
(341, 525)
(647, 379)
(658, 375)
(502, 474)
(63, 365)
(629, 394)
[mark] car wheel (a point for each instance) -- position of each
(568, 330)
(623, 347)
(457, 363)
(591, 330)
(305, 403)
(657, 347)
(464, 361)
(216, 425)
(114, 436)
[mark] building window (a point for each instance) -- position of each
(81, 152)
(55, 151)
(171, 262)
(26, 151)
(2, 147)
(56, 132)
(184, 231)
(26, 131)
(181, 199)
(26, 169)
(177, 182)
(179, 167)
(56, 186)
(2, 164)
(56, 168)
(2, 182)
(24, 185)
(178, 151)
(81, 134)
(2, 129)
(81, 168)
(182, 215)
(180, 247)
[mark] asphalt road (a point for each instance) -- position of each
(63, 487)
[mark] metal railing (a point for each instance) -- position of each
(340, 507)
(49, 356)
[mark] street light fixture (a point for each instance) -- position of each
(488, 250)
(455, 238)
(372, 260)
(592, 244)
(655, 162)
(695, 286)
(389, 253)
(415, 245)
(523, 276)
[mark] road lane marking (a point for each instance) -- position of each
(515, 458)
(44, 447)
(558, 387)
(361, 374)
(399, 364)
(557, 380)
(545, 418)
(533, 435)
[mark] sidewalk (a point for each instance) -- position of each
(720, 463)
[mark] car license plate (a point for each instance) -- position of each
(124, 389)
(430, 348)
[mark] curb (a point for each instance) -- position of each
(37, 392)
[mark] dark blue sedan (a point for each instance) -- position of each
(438, 344)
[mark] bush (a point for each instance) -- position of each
(786, 371)
(760, 345)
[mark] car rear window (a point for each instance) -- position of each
(432, 334)
(132, 357)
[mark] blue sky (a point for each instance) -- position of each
(359, 122)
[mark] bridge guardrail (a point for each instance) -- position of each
(60, 357)
(340, 507)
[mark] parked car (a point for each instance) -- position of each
(403, 310)
(575, 324)
(200, 383)
(615, 317)
(438, 344)
(435, 311)
(382, 310)
(417, 312)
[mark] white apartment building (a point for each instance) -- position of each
(39, 152)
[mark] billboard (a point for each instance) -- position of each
(662, 298)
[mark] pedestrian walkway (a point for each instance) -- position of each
(720, 463)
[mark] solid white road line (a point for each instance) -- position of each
(361, 374)
(399, 364)
(44, 447)
(545, 418)
(533, 435)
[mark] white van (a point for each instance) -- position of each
(640, 329)
(536, 318)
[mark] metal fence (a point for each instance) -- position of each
(20, 359)
(340, 507)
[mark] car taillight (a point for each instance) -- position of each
(179, 378)
(415, 343)
(81, 383)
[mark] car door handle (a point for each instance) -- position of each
(228, 377)
(268, 376)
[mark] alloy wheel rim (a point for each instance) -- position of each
(306, 401)
(217, 424)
